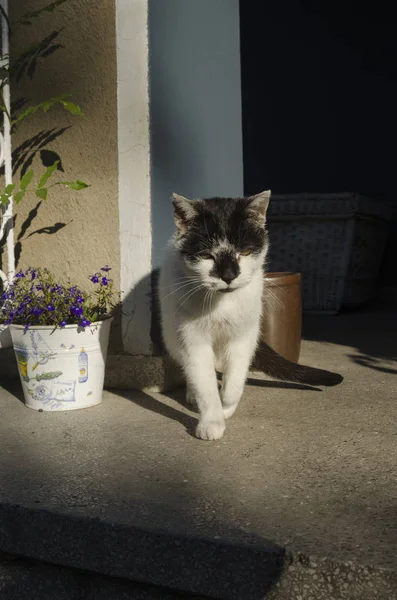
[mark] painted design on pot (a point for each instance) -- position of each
(22, 356)
(41, 393)
(54, 391)
(67, 347)
(46, 400)
(45, 376)
(83, 366)
(43, 354)
(64, 390)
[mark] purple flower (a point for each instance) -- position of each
(19, 274)
(63, 324)
(9, 295)
(37, 311)
(26, 327)
(57, 289)
(33, 275)
(104, 280)
(76, 310)
(106, 268)
(85, 323)
(94, 278)
(50, 307)
(79, 299)
(39, 287)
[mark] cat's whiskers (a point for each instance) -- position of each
(271, 299)
(191, 293)
(181, 287)
(207, 301)
(183, 280)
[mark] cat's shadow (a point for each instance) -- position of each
(285, 385)
(179, 394)
(189, 421)
(156, 405)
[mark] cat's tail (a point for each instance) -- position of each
(271, 363)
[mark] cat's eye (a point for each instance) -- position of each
(245, 252)
(206, 256)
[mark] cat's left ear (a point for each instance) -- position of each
(257, 207)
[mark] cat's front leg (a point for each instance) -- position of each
(199, 368)
(190, 398)
(239, 354)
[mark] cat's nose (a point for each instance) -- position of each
(228, 277)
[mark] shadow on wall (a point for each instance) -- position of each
(127, 322)
(371, 332)
(155, 329)
(37, 146)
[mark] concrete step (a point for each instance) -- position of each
(26, 579)
(297, 501)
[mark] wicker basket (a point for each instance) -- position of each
(335, 240)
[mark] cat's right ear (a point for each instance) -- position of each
(184, 212)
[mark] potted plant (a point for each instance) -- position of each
(60, 336)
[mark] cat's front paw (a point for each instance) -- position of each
(210, 430)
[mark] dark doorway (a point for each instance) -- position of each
(319, 84)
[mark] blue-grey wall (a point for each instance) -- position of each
(195, 105)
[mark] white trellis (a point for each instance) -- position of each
(7, 224)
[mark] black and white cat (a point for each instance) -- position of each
(211, 286)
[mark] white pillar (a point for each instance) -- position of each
(134, 172)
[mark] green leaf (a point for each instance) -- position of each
(26, 179)
(10, 188)
(45, 106)
(5, 196)
(47, 173)
(73, 108)
(30, 110)
(42, 193)
(75, 185)
(18, 196)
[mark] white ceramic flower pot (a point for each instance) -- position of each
(61, 369)
(5, 336)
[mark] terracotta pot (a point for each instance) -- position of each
(282, 314)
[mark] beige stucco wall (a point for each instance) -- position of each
(87, 67)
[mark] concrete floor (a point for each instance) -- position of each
(310, 470)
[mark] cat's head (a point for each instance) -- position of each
(222, 241)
